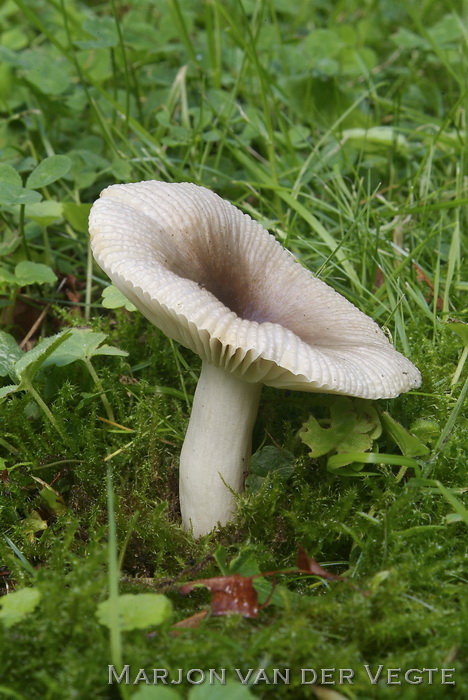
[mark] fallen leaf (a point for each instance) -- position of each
(235, 593)
(231, 594)
(191, 622)
(422, 277)
(379, 278)
(307, 564)
(54, 499)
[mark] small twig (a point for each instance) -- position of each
(35, 326)
(170, 582)
(116, 425)
(40, 318)
(102, 392)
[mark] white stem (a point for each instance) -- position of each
(216, 451)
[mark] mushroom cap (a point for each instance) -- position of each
(216, 281)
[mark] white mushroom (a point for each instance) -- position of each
(213, 279)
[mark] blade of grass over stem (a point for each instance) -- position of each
(449, 204)
(458, 506)
(126, 68)
(8, 693)
(130, 531)
(113, 577)
(247, 41)
(179, 20)
(448, 427)
(26, 565)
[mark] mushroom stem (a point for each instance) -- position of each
(217, 447)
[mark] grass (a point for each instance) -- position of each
(342, 128)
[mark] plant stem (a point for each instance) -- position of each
(22, 233)
(42, 405)
(45, 238)
(100, 388)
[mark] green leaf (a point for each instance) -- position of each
(12, 58)
(17, 605)
(104, 31)
(32, 361)
(377, 137)
(10, 243)
(409, 444)
(457, 505)
(229, 691)
(121, 169)
(82, 344)
(136, 611)
(425, 429)
(10, 389)
(52, 497)
(9, 175)
(7, 276)
(54, 501)
(405, 39)
(47, 71)
(112, 298)
(460, 328)
(11, 195)
(48, 171)
(77, 215)
(32, 524)
(28, 272)
(272, 460)
(452, 518)
(110, 350)
(254, 482)
(322, 43)
(269, 460)
(10, 353)
(354, 425)
(220, 558)
(148, 692)
(44, 213)
(448, 31)
(342, 460)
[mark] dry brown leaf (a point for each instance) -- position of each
(422, 277)
(231, 594)
(307, 564)
(191, 622)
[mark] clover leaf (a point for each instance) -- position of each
(136, 611)
(17, 605)
(354, 425)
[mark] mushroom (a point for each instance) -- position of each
(216, 281)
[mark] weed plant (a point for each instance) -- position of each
(342, 128)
